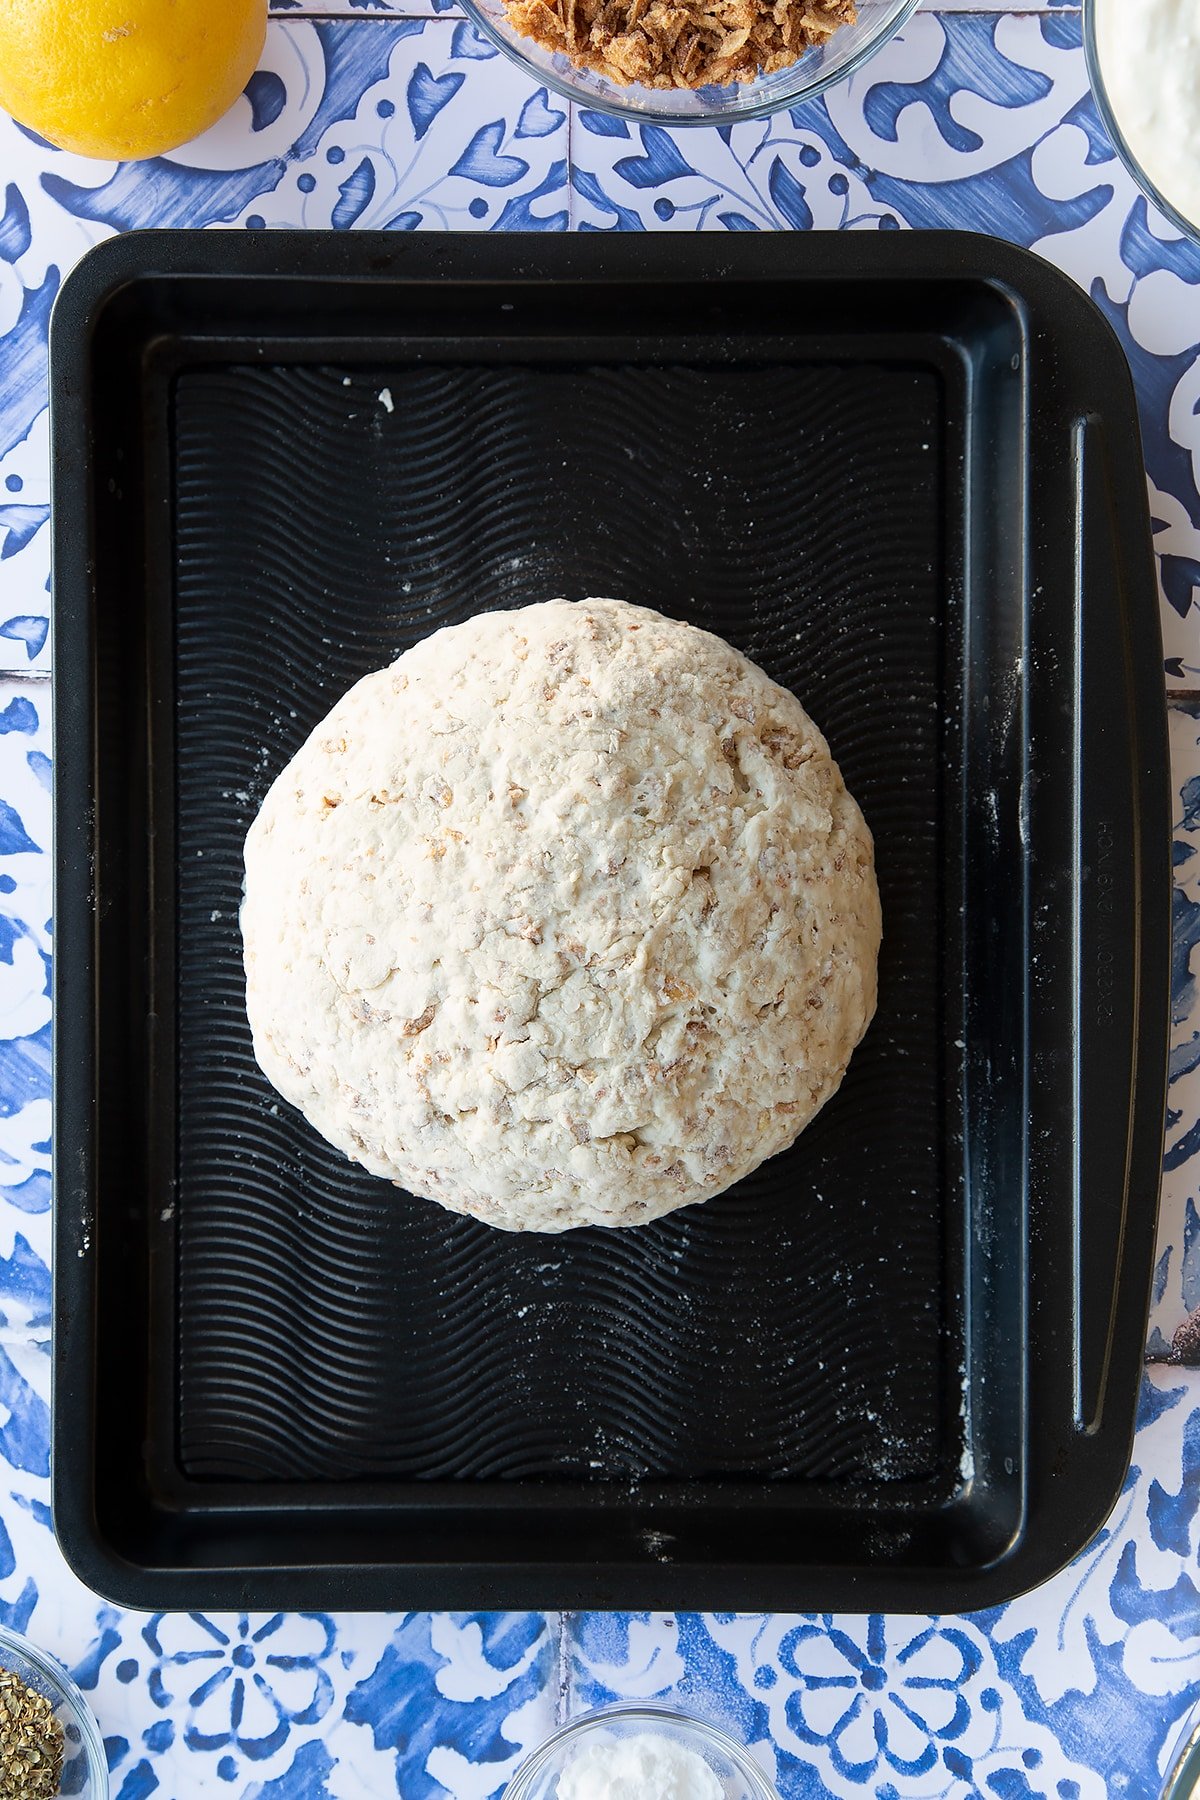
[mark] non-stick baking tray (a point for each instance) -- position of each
(898, 1366)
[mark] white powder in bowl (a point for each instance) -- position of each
(1149, 57)
(646, 1767)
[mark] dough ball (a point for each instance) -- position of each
(566, 918)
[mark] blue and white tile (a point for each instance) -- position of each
(424, 103)
(980, 122)
(285, 1706)
(1176, 1293)
(1025, 6)
(838, 1704)
(444, 133)
(265, 1707)
(976, 120)
(778, 174)
(409, 9)
(38, 243)
(364, 9)
(1075, 1690)
(392, 123)
(998, 132)
(25, 945)
(316, 1706)
(938, 128)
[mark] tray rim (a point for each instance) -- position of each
(96, 282)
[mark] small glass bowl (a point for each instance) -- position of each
(85, 1768)
(741, 1779)
(839, 57)
(1182, 1780)
(1188, 228)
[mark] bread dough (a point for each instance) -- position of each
(566, 918)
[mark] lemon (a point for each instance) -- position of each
(126, 78)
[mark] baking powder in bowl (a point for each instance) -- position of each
(1149, 57)
(646, 1767)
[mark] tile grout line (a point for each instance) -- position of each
(562, 1699)
(456, 17)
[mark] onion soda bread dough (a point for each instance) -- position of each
(566, 918)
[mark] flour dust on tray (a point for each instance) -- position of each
(566, 918)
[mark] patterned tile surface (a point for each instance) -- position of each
(265, 1707)
(368, 113)
(421, 9)
(365, 9)
(1176, 1293)
(1075, 1691)
(979, 121)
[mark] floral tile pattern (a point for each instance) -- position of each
(1075, 1691)
(364, 9)
(980, 120)
(1176, 1295)
(393, 124)
(25, 946)
(778, 174)
(381, 113)
(402, 160)
(288, 1706)
(420, 9)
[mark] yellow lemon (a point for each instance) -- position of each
(126, 78)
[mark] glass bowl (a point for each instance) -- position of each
(846, 51)
(1183, 1770)
(1188, 228)
(85, 1768)
(741, 1779)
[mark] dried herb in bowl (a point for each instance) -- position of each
(31, 1742)
(680, 43)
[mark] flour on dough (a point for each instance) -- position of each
(566, 918)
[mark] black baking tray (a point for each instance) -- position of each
(897, 1367)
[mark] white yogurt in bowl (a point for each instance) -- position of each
(639, 1751)
(646, 1766)
(1144, 60)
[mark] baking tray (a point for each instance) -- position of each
(897, 1367)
